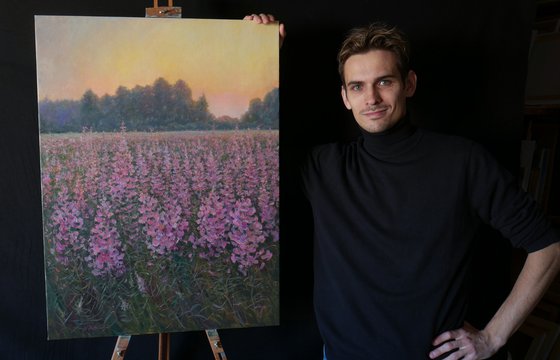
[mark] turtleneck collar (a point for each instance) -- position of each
(395, 141)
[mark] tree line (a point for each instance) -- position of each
(158, 107)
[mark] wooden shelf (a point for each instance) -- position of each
(540, 166)
(543, 110)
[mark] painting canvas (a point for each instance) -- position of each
(159, 171)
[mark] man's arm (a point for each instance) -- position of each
(540, 269)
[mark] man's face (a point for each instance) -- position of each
(374, 90)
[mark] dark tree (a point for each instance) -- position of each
(157, 107)
(90, 112)
(263, 114)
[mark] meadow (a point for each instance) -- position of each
(160, 232)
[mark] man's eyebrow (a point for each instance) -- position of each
(354, 82)
(388, 76)
(382, 77)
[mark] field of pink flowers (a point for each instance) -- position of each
(160, 232)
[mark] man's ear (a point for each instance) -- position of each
(345, 98)
(410, 86)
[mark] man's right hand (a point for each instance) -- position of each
(266, 19)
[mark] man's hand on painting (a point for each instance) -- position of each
(267, 19)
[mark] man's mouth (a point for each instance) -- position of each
(375, 112)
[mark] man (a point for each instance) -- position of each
(395, 214)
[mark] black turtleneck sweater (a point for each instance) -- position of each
(395, 214)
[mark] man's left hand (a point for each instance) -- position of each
(466, 343)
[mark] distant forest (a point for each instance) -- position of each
(157, 107)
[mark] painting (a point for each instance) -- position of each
(159, 164)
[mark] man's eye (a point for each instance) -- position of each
(355, 87)
(385, 82)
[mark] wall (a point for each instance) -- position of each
(470, 57)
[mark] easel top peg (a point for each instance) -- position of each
(168, 11)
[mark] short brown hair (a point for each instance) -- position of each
(376, 36)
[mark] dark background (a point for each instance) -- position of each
(471, 61)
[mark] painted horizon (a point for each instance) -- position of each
(159, 167)
(230, 62)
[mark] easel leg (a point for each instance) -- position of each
(164, 345)
(120, 347)
(216, 344)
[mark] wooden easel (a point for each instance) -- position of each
(216, 345)
(121, 346)
(165, 344)
(168, 11)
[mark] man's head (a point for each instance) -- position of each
(376, 36)
(376, 79)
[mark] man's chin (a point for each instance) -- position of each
(375, 125)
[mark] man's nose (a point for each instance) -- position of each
(372, 96)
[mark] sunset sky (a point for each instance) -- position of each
(230, 61)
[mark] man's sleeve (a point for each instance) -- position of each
(499, 201)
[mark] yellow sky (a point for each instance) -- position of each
(229, 61)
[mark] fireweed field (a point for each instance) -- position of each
(160, 232)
